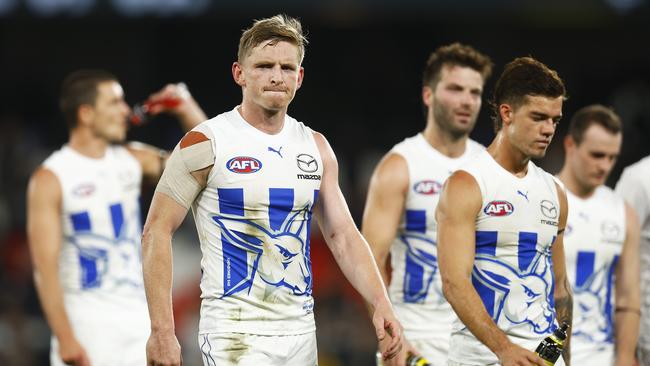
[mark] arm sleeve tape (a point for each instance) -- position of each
(177, 181)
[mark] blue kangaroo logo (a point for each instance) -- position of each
(591, 322)
(525, 294)
(109, 262)
(419, 251)
(280, 257)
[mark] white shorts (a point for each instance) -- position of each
(109, 337)
(435, 351)
(219, 349)
(593, 356)
(109, 347)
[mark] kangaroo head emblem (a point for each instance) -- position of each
(280, 257)
(420, 252)
(525, 294)
(592, 320)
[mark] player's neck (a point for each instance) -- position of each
(86, 143)
(270, 122)
(572, 183)
(508, 156)
(443, 141)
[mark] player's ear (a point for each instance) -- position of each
(301, 76)
(427, 96)
(85, 114)
(506, 111)
(569, 143)
(238, 74)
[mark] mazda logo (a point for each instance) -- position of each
(548, 209)
(307, 163)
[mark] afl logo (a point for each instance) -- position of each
(428, 187)
(499, 208)
(243, 165)
(84, 190)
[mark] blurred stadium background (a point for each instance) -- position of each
(362, 90)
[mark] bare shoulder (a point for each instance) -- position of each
(461, 182)
(325, 150)
(460, 195)
(44, 183)
(321, 142)
(631, 219)
(561, 190)
(391, 171)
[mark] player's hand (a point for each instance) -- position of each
(72, 353)
(400, 359)
(163, 349)
(514, 355)
(387, 329)
(171, 98)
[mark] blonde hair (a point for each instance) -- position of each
(277, 28)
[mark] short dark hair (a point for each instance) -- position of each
(524, 77)
(595, 114)
(455, 54)
(79, 88)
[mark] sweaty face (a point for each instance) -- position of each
(110, 112)
(531, 126)
(456, 100)
(594, 158)
(270, 75)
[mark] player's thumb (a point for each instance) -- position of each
(378, 322)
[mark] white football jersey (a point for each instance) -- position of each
(253, 221)
(593, 241)
(100, 255)
(634, 186)
(416, 289)
(513, 272)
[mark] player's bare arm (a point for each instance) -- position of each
(182, 181)
(563, 295)
(352, 253)
(381, 217)
(459, 204)
(627, 308)
(188, 112)
(151, 159)
(44, 233)
(384, 208)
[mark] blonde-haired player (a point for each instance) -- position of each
(255, 177)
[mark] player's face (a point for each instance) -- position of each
(270, 75)
(594, 158)
(531, 126)
(456, 100)
(110, 112)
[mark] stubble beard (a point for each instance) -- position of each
(445, 121)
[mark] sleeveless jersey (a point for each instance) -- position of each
(416, 288)
(634, 186)
(593, 241)
(100, 263)
(513, 271)
(253, 221)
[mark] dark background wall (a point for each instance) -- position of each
(361, 89)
